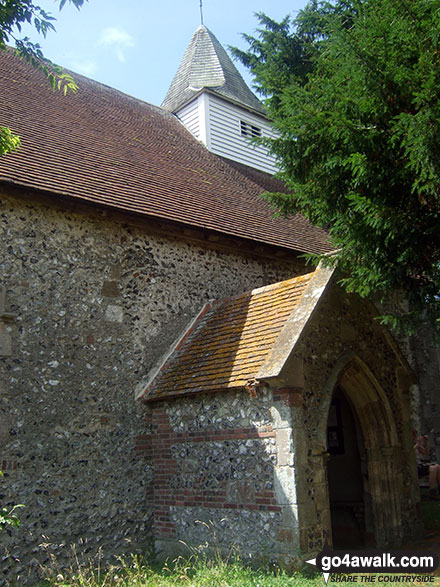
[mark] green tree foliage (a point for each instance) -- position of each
(353, 88)
(9, 518)
(13, 15)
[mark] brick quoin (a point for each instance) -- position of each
(291, 396)
(165, 492)
(165, 467)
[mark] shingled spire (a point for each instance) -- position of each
(212, 100)
(206, 65)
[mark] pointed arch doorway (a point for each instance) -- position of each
(345, 474)
(363, 479)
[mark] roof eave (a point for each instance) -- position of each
(237, 102)
(218, 94)
(78, 199)
(295, 326)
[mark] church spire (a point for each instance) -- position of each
(201, 12)
(206, 65)
(212, 100)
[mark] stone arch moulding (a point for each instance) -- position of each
(373, 412)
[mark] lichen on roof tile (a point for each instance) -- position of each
(230, 343)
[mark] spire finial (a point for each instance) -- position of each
(201, 11)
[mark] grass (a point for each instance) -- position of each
(197, 571)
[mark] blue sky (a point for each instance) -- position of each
(136, 45)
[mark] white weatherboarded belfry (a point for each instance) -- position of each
(210, 97)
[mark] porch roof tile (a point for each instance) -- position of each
(229, 342)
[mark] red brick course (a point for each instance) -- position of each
(291, 396)
(156, 448)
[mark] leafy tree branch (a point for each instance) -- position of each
(353, 88)
(13, 15)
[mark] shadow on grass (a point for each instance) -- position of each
(194, 571)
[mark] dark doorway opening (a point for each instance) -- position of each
(345, 476)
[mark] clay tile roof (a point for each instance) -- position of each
(206, 65)
(109, 149)
(229, 342)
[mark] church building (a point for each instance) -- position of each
(170, 368)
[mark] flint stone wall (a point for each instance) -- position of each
(88, 306)
(219, 462)
(343, 328)
(231, 470)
